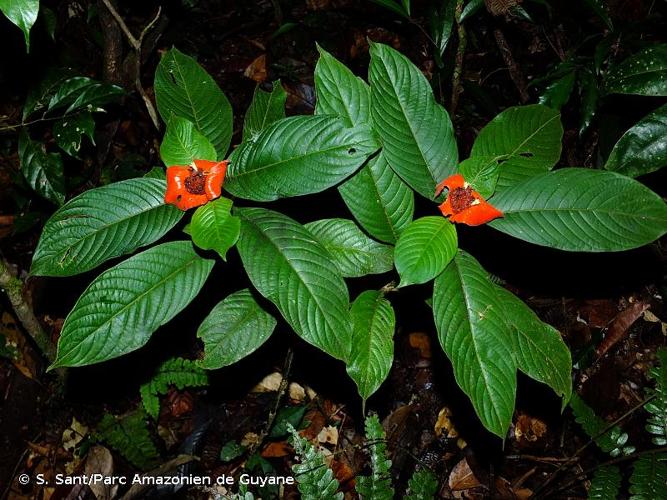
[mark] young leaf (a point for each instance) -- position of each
(265, 108)
(482, 173)
(558, 92)
(423, 485)
(644, 73)
(605, 484)
(581, 210)
(643, 148)
(69, 132)
(474, 335)
(129, 436)
(123, 306)
(23, 13)
(612, 441)
(354, 253)
(340, 92)
(373, 324)
(183, 88)
(657, 422)
(380, 201)
(43, 171)
(296, 156)
(530, 136)
(101, 224)
(182, 144)
(416, 132)
(377, 486)
(424, 249)
(292, 270)
(649, 477)
(235, 328)
(213, 227)
(315, 480)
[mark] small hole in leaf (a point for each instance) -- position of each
(526, 154)
(351, 151)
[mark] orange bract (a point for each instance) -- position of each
(192, 186)
(465, 205)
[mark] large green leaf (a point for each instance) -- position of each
(530, 136)
(474, 335)
(123, 306)
(23, 13)
(354, 253)
(372, 353)
(582, 210)
(81, 92)
(296, 156)
(182, 143)
(235, 328)
(644, 73)
(417, 134)
(69, 131)
(380, 201)
(643, 148)
(340, 92)
(424, 249)
(40, 94)
(292, 270)
(101, 224)
(43, 171)
(213, 227)
(265, 108)
(183, 88)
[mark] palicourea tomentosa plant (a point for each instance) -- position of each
(379, 143)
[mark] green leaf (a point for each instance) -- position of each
(213, 227)
(471, 8)
(643, 148)
(40, 94)
(656, 424)
(605, 484)
(372, 354)
(314, 478)
(393, 6)
(82, 92)
(441, 22)
(236, 327)
(231, 451)
(424, 249)
(644, 73)
(589, 98)
(353, 253)
(43, 171)
(649, 477)
(265, 108)
(474, 335)
(340, 92)
(129, 436)
(582, 210)
(183, 88)
(558, 92)
(69, 132)
(101, 224)
(182, 144)
(292, 270)
(123, 306)
(539, 350)
(296, 156)
(23, 13)
(423, 485)
(377, 486)
(600, 9)
(286, 417)
(417, 134)
(482, 173)
(530, 136)
(380, 201)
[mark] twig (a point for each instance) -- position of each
(458, 62)
(515, 73)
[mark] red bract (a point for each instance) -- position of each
(465, 205)
(195, 185)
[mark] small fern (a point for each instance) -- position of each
(314, 479)
(606, 483)
(422, 485)
(377, 486)
(130, 437)
(649, 477)
(176, 371)
(657, 422)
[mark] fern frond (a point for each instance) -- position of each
(314, 479)
(377, 486)
(422, 485)
(175, 371)
(613, 441)
(657, 422)
(649, 477)
(605, 484)
(130, 437)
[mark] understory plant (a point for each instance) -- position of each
(379, 144)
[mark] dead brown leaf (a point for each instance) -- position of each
(421, 341)
(444, 425)
(277, 449)
(256, 70)
(529, 428)
(462, 478)
(620, 326)
(100, 461)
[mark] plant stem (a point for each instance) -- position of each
(458, 62)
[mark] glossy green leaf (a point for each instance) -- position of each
(235, 328)
(600, 9)
(470, 9)
(23, 13)
(182, 144)
(101, 224)
(354, 253)
(380, 201)
(81, 92)
(213, 227)
(582, 210)
(482, 173)
(70, 130)
(297, 156)
(605, 483)
(558, 92)
(441, 22)
(530, 136)
(40, 94)
(644, 73)
(43, 171)
(288, 267)
(473, 333)
(372, 353)
(265, 108)
(122, 307)
(424, 249)
(589, 98)
(395, 6)
(340, 92)
(417, 134)
(648, 480)
(643, 148)
(183, 88)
